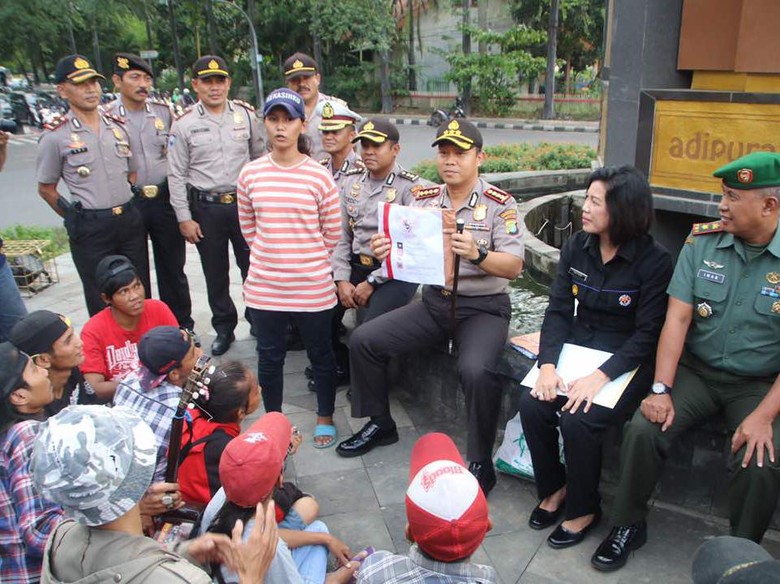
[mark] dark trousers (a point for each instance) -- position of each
(219, 224)
(481, 328)
(93, 237)
(389, 296)
(700, 392)
(582, 440)
(169, 256)
(271, 327)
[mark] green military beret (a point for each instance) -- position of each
(757, 170)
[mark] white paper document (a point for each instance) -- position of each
(575, 362)
(417, 251)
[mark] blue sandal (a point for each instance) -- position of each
(327, 430)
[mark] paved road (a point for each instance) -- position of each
(20, 202)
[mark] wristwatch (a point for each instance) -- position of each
(483, 251)
(660, 388)
(373, 282)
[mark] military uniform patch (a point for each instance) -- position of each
(426, 193)
(497, 195)
(244, 104)
(702, 228)
(509, 215)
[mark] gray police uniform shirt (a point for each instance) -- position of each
(352, 165)
(148, 129)
(360, 198)
(313, 130)
(94, 167)
(207, 152)
(491, 218)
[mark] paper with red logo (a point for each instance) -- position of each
(575, 362)
(420, 251)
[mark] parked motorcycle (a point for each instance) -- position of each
(439, 116)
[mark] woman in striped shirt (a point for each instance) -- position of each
(288, 207)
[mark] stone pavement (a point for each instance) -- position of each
(362, 499)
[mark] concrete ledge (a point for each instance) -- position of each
(526, 125)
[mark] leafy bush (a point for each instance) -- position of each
(517, 157)
(57, 235)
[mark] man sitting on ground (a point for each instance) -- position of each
(97, 463)
(447, 516)
(167, 355)
(26, 518)
(52, 344)
(111, 336)
(251, 470)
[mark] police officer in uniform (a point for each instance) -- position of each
(148, 122)
(91, 152)
(337, 130)
(301, 74)
(719, 351)
(356, 271)
(491, 253)
(208, 146)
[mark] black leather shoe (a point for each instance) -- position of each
(613, 552)
(485, 473)
(562, 538)
(542, 519)
(369, 437)
(222, 343)
(342, 378)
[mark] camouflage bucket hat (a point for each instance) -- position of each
(94, 461)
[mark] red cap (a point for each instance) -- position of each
(252, 462)
(445, 507)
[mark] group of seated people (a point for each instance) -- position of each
(695, 351)
(81, 487)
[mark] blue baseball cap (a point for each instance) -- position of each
(288, 99)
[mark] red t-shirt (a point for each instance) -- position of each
(112, 351)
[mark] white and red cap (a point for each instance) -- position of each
(445, 507)
(252, 462)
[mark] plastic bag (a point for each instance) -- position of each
(513, 457)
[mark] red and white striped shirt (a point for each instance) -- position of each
(291, 220)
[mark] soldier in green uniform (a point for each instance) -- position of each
(719, 351)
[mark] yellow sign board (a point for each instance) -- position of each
(691, 139)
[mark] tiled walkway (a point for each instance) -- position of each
(362, 499)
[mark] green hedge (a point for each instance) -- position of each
(516, 157)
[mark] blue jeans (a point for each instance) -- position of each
(312, 560)
(271, 327)
(12, 308)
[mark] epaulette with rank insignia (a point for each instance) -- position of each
(419, 192)
(56, 124)
(497, 195)
(408, 175)
(244, 104)
(358, 163)
(354, 170)
(324, 161)
(114, 118)
(186, 111)
(703, 228)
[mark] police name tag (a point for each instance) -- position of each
(581, 275)
(711, 276)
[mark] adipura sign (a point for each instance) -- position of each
(693, 138)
